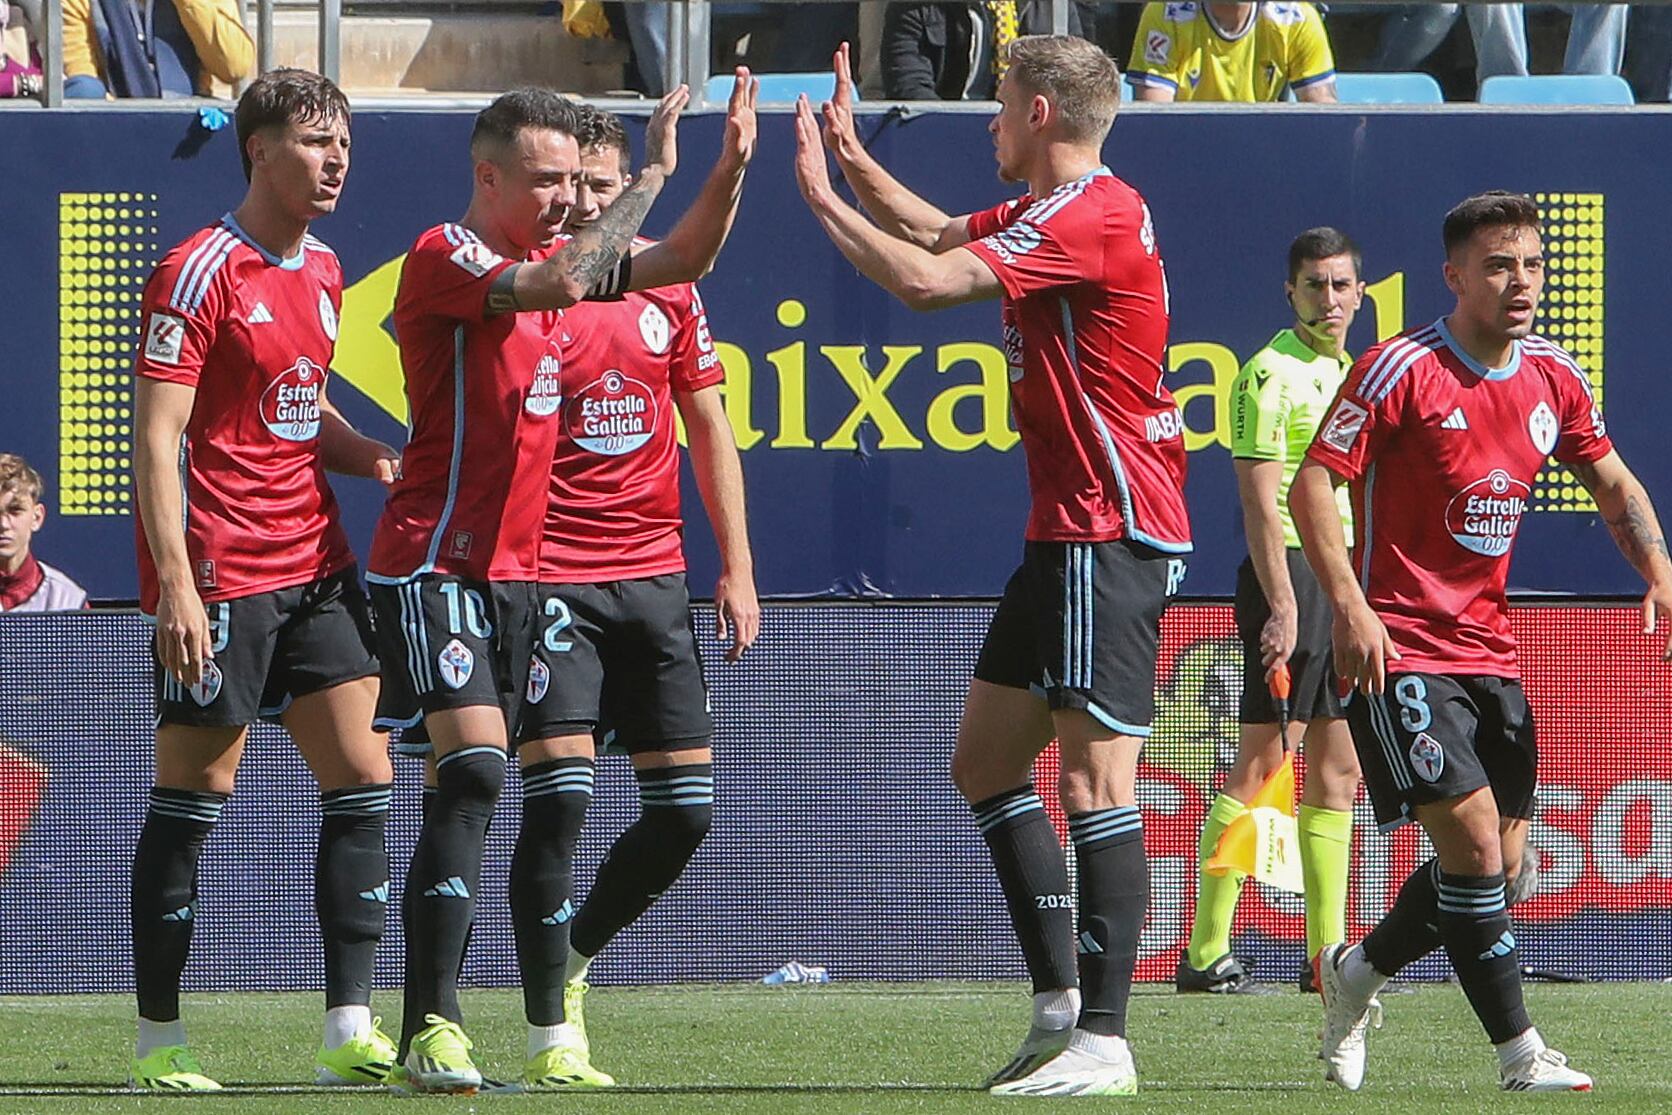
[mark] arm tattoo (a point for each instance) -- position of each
(1637, 534)
(593, 254)
(502, 294)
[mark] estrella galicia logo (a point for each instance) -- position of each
(1428, 758)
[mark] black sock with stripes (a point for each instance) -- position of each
(1033, 872)
(351, 888)
(442, 881)
(676, 809)
(1411, 930)
(1114, 896)
(1474, 924)
(555, 797)
(163, 899)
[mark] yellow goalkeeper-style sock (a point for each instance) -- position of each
(1326, 845)
(1216, 895)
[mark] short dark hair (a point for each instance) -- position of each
(285, 96)
(1493, 209)
(1323, 243)
(528, 107)
(17, 476)
(603, 131)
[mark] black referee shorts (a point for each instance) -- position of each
(1312, 690)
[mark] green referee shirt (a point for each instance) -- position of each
(1277, 403)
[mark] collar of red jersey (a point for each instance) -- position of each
(1509, 369)
(294, 263)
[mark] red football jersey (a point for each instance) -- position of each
(614, 510)
(254, 335)
(1085, 331)
(1457, 447)
(483, 394)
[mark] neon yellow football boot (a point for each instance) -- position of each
(171, 1068)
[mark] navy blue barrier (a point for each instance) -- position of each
(878, 452)
(837, 838)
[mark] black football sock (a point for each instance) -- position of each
(1411, 930)
(442, 881)
(1033, 872)
(1114, 896)
(676, 809)
(1474, 923)
(555, 797)
(351, 888)
(163, 899)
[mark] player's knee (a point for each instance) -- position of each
(683, 827)
(472, 774)
(966, 776)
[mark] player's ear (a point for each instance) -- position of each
(1040, 112)
(487, 174)
(39, 516)
(1453, 277)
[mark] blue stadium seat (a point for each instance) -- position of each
(1556, 89)
(1388, 89)
(778, 88)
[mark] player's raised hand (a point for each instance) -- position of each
(183, 640)
(742, 129)
(839, 133)
(1657, 602)
(811, 173)
(661, 135)
(736, 606)
(1363, 649)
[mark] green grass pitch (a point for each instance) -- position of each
(861, 1048)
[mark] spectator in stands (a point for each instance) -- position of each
(1231, 52)
(1596, 41)
(957, 52)
(1650, 65)
(803, 36)
(27, 584)
(20, 61)
(153, 48)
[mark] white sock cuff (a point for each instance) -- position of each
(344, 1024)
(542, 1038)
(576, 968)
(158, 1035)
(1056, 1010)
(1105, 1047)
(1361, 976)
(1526, 1044)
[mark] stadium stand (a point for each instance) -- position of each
(1556, 89)
(1388, 89)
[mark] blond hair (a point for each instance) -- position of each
(16, 475)
(1081, 82)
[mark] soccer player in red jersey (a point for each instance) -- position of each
(1440, 433)
(478, 317)
(1071, 653)
(613, 565)
(245, 566)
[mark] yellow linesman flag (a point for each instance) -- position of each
(1263, 841)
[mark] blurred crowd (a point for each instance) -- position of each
(906, 51)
